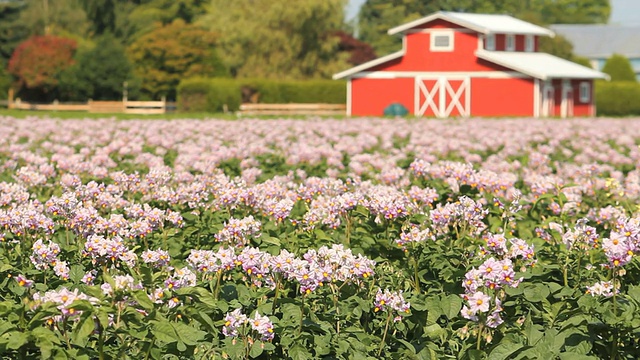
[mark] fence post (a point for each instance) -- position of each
(164, 104)
(55, 104)
(10, 99)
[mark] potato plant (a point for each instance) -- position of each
(319, 239)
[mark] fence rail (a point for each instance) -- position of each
(94, 106)
(292, 109)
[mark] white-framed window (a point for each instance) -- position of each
(442, 40)
(490, 42)
(529, 44)
(510, 42)
(585, 92)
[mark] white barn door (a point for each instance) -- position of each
(443, 96)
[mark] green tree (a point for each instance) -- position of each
(275, 39)
(172, 52)
(378, 16)
(619, 68)
(145, 17)
(99, 73)
(5, 80)
(12, 31)
(65, 18)
(102, 14)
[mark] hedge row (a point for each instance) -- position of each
(213, 95)
(617, 98)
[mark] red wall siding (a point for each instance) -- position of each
(501, 42)
(418, 56)
(581, 109)
(557, 96)
(501, 97)
(369, 97)
(519, 42)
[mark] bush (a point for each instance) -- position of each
(224, 92)
(315, 91)
(617, 98)
(619, 68)
(211, 94)
(192, 95)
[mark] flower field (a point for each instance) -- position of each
(319, 239)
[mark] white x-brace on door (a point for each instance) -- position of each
(443, 96)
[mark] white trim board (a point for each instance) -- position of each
(438, 74)
(369, 64)
(349, 97)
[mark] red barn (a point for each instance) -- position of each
(460, 65)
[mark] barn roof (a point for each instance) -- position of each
(601, 41)
(540, 65)
(369, 64)
(482, 23)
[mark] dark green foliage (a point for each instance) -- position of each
(617, 98)
(224, 92)
(5, 80)
(99, 73)
(192, 95)
(12, 32)
(619, 68)
(212, 94)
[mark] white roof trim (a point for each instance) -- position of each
(540, 65)
(368, 65)
(459, 19)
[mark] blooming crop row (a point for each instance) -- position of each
(369, 238)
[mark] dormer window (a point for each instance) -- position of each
(490, 42)
(442, 40)
(510, 42)
(528, 43)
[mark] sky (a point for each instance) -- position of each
(624, 12)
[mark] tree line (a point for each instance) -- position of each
(74, 50)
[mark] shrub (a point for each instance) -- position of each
(192, 95)
(619, 68)
(224, 92)
(617, 98)
(200, 94)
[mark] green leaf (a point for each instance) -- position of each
(574, 356)
(188, 334)
(272, 241)
(181, 346)
(256, 349)
(143, 300)
(83, 330)
(298, 352)
(76, 273)
(451, 306)
(504, 350)
(14, 339)
(434, 331)
(164, 331)
(476, 354)
(5, 267)
(536, 292)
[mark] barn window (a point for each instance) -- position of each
(585, 92)
(490, 42)
(511, 42)
(528, 43)
(442, 41)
